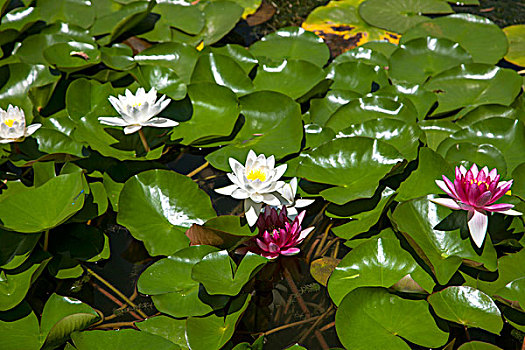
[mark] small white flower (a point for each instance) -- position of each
(288, 192)
(13, 125)
(138, 110)
(256, 183)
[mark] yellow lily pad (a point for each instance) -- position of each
(340, 25)
(516, 36)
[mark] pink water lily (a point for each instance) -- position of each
(476, 191)
(278, 235)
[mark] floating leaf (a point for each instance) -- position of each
(435, 235)
(79, 12)
(467, 306)
(400, 15)
(515, 35)
(355, 76)
(471, 32)
(72, 56)
(322, 268)
(341, 27)
(21, 333)
(14, 287)
(123, 339)
(157, 206)
(292, 43)
(219, 274)
(372, 318)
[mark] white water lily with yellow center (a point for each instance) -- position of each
(288, 192)
(138, 110)
(13, 125)
(256, 182)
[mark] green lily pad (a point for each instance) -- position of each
(369, 108)
(516, 36)
(63, 316)
(189, 19)
(14, 287)
(239, 53)
(322, 108)
(403, 136)
(506, 135)
(340, 25)
(212, 332)
(421, 182)
(222, 70)
(468, 307)
(221, 17)
(179, 57)
(15, 245)
(35, 209)
(471, 32)
(157, 206)
(164, 80)
(372, 318)
(123, 339)
(486, 155)
(219, 274)
(472, 85)
(438, 241)
(215, 112)
(514, 291)
(488, 111)
(72, 56)
(364, 55)
(52, 141)
(118, 56)
(21, 333)
(268, 115)
(510, 268)
(118, 22)
(400, 15)
(20, 19)
(169, 328)
(355, 76)
(380, 262)
(171, 286)
(292, 43)
(478, 345)
(79, 12)
(362, 217)
(422, 99)
(291, 77)
(437, 130)
(430, 55)
(355, 164)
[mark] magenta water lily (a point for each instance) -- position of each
(278, 235)
(476, 191)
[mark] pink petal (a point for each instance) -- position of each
(483, 199)
(498, 207)
(445, 188)
(273, 248)
(478, 227)
(304, 233)
(450, 185)
(474, 170)
(462, 170)
(500, 191)
(483, 174)
(447, 202)
(493, 173)
(290, 251)
(261, 244)
(460, 191)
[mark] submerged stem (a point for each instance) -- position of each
(46, 240)
(144, 141)
(116, 291)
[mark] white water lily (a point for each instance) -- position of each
(13, 125)
(138, 110)
(288, 192)
(256, 182)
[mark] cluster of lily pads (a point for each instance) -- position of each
(105, 105)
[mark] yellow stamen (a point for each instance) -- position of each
(9, 122)
(479, 183)
(508, 193)
(137, 104)
(256, 174)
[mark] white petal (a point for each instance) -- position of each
(129, 95)
(131, 129)
(6, 140)
(115, 103)
(113, 121)
(270, 199)
(279, 171)
(256, 197)
(250, 158)
(234, 179)
(227, 191)
(236, 167)
(32, 128)
(305, 233)
(441, 184)
(478, 227)
(240, 193)
(301, 203)
(270, 162)
(161, 123)
(447, 202)
(511, 212)
(162, 104)
(251, 211)
(462, 170)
